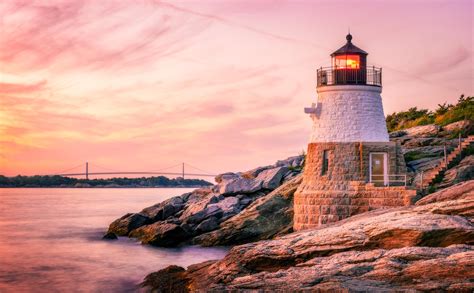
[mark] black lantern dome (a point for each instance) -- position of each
(349, 66)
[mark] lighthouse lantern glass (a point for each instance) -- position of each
(347, 62)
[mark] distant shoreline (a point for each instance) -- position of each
(116, 182)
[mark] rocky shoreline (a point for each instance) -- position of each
(427, 246)
(242, 207)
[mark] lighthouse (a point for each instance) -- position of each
(351, 165)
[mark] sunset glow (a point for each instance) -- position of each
(142, 85)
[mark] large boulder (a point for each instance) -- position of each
(160, 234)
(423, 130)
(210, 211)
(172, 279)
(424, 247)
(463, 125)
(407, 269)
(164, 210)
(266, 179)
(229, 206)
(127, 223)
(463, 190)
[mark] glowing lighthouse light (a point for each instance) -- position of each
(347, 61)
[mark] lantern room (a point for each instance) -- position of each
(349, 66)
(349, 56)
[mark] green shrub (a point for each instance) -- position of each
(443, 115)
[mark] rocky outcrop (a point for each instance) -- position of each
(127, 223)
(463, 125)
(424, 148)
(428, 247)
(461, 190)
(268, 216)
(228, 208)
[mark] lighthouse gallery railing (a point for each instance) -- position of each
(341, 76)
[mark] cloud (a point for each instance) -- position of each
(16, 88)
(232, 23)
(74, 34)
(440, 64)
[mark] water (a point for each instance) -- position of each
(50, 241)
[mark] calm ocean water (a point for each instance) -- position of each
(50, 241)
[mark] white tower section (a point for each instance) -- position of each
(348, 113)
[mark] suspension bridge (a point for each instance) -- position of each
(103, 171)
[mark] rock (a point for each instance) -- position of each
(268, 216)
(423, 131)
(164, 210)
(416, 142)
(432, 152)
(424, 247)
(245, 201)
(254, 172)
(127, 223)
(110, 236)
(398, 133)
(195, 195)
(160, 234)
(196, 204)
(225, 176)
(462, 172)
(423, 164)
(238, 185)
(208, 225)
(407, 269)
(211, 211)
(458, 126)
(170, 280)
(463, 190)
(294, 161)
(229, 206)
(271, 178)
(266, 179)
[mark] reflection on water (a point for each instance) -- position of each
(50, 241)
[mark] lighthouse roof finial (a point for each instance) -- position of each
(349, 37)
(349, 48)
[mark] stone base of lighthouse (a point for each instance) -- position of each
(343, 187)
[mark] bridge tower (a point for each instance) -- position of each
(351, 166)
(87, 170)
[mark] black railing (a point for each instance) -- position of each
(340, 76)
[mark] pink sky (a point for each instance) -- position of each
(141, 85)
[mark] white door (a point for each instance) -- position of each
(378, 169)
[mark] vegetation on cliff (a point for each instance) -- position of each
(60, 181)
(443, 115)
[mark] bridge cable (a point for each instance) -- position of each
(197, 168)
(101, 167)
(64, 171)
(159, 170)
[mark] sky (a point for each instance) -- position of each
(220, 85)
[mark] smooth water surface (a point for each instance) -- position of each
(50, 240)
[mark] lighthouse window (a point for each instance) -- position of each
(347, 61)
(324, 167)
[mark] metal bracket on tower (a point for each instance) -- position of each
(314, 110)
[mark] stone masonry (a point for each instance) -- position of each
(344, 190)
(349, 113)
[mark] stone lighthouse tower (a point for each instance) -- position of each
(351, 166)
